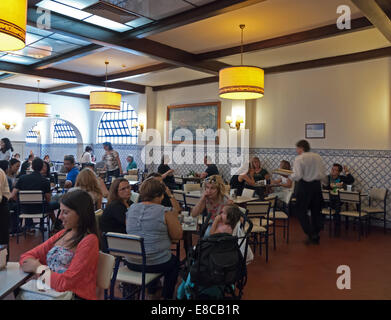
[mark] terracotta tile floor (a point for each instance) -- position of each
(298, 271)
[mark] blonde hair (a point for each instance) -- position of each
(218, 182)
(86, 180)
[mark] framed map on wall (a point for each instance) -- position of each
(315, 130)
(188, 120)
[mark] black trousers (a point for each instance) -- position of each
(114, 173)
(309, 197)
(4, 223)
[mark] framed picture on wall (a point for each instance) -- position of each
(315, 130)
(186, 119)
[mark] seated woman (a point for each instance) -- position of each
(158, 225)
(166, 200)
(283, 189)
(259, 172)
(70, 257)
(86, 180)
(113, 218)
(212, 200)
(244, 175)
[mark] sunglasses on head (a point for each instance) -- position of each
(211, 180)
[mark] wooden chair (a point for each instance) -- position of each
(348, 197)
(327, 210)
(256, 212)
(37, 198)
(380, 195)
(126, 246)
(188, 187)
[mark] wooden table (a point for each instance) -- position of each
(11, 278)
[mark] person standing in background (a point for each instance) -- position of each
(6, 149)
(111, 160)
(86, 157)
(308, 172)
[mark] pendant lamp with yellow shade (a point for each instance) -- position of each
(38, 109)
(106, 101)
(13, 18)
(241, 82)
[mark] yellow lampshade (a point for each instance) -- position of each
(105, 101)
(241, 82)
(13, 18)
(35, 109)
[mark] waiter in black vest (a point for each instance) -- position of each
(308, 171)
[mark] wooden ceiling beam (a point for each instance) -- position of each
(375, 13)
(205, 11)
(69, 76)
(137, 72)
(104, 37)
(317, 63)
(290, 39)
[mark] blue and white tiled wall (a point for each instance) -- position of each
(370, 168)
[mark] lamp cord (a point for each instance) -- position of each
(242, 26)
(38, 90)
(106, 75)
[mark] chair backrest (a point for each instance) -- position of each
(349, 196)
(105, 270)
(130, 177)
(272, 200)
(378, 194)
(188, 187)
(178, 196)
(133, 172)
(134, 197)
(30, 197)
(178, 180)
(326, 195)
(126, 246)
(258, 208)
(191, 200)
(248, 193)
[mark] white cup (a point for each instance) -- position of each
(349, 187)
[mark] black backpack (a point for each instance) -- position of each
(217, 261)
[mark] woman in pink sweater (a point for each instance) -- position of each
(69, 259)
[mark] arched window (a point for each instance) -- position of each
(63, 132)
(32, 136)
(113, 127)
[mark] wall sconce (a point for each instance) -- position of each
(8, 125)
(137, 125)
(238, 122)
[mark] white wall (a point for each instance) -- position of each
(12, 106)
(352, 99)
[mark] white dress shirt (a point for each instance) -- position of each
(4, 188)
(309, 167)
(86, 158)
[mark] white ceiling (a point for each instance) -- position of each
(268, 19)
(94, 64)
(168, 77)
(344, 44)
(87, 89)
(31, 81)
